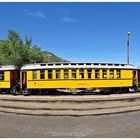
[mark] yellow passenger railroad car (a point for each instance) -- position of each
(78, 76)
(9, 77)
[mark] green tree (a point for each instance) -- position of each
(18, 51)
(35, 55)
(14, 37)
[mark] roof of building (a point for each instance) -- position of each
(8, 67)
(60, 65)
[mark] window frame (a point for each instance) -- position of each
(97, 73)
(81, 73)
(112, 74)
(74, 73)
(50, 73)
(89, 72)
(104, 71)
(118, 72)
(42, 73)
(34, 74)
(57, 73)
(66, 73)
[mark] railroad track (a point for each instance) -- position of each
(70, 105)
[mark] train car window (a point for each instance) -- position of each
(73, 74)
(118, 73)
(96, 64)
(89, 71)
(88, 64)
(34, 74)
(57, 74)
(65, 74)
(42, 64)
(42, 74)
(81, 74)
(103, 64)
(104, 73)
(80, 64)
(49, 74)
(111, 74)
(50, 64)
(1, 75)
(58, 64)
(97, 74)
(73, 64)
(65, 64)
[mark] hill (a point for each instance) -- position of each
(50, 57)
(3, 42)
(47, 56)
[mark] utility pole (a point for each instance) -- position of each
(128, 36)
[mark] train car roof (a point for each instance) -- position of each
(138, 67)
(8, 67)
(76, 65)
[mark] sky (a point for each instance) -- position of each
(77, 31)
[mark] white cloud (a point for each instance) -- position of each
(67, 20)
(40, 14)
(37, 14)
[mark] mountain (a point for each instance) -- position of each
(3, 42)
(50, 57)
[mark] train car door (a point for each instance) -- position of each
(134, 78)
(23, 79)
(138, 78)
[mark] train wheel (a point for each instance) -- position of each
(73, 91)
